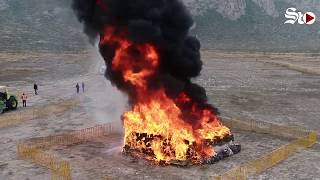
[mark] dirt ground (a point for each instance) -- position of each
(241, 85)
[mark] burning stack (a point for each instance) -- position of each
(223, 148)
(151, 57)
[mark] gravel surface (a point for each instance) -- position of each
(240, 85)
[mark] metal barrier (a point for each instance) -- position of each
(303, 139)
(60, 169)
(34, 149)
(14, 118)
(71, 138)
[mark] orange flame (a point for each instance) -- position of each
(156, 126)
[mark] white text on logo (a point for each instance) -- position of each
(293, 16)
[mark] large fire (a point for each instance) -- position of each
(159, 127)
(151, 56)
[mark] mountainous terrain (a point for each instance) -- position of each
(45, 25)
(254, 25)
(49, 25)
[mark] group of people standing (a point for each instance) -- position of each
(24, 96)
(78, 87)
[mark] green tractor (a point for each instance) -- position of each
(7, 102)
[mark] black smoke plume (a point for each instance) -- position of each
(163, 23)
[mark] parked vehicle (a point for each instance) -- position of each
(8, 102)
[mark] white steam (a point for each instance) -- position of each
(104, 102)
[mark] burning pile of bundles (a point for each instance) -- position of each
(151, 57)
(223, 148)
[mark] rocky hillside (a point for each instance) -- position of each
(49, 25)
(254, 25)
(234, 9)
(39, 25)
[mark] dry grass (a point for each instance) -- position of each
(215, 54)
(301, 62)
(14, 57)
(11, 119)
(302, 69)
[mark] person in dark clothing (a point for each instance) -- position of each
(35, 87)
(78, 88)
(82, 86)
